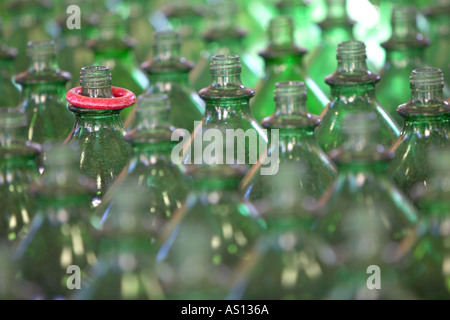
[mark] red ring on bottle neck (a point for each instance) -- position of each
(123, 98)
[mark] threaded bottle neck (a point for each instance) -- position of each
(351, 57)
(226, 71)
(358, 130)
(111, 26)
(153, 111)
(427, 85)
(166, 46)
(290, 98)
(42, 56)
(96, 81)
(281, 32)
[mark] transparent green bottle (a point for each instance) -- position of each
(283, 62)
(73, 51)
(60, 235)
(43, 87)
(285, 261)
(18, 169)
(438, 17)
(367, 221)
(426, 271)
(139, 24)
(126, 264)
(306, 32)
(426, 125)
(27, 21)
(352, 92)
(186, 17)
(297, 154)
(208, 237)
(336, 28)
(9, 92)
(114, 49)
(224, 37)
(227, 118)
(168, 73)
(98, 127)
(405, 51)
(150, 168)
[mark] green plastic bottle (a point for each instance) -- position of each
(283, 62)
(307, 32)
(426, 125)
(168, 73)
(405, 51)
(426, 270)
(336, 28)
(186, 17)
(18, 169)
(150, 168)
(98, 127)
(60, 239)
(296, 152)
(285, 261)
(71, 42)
(26, 20)
(9, 91)
(238, 137)
(224, 37)
(438, 17)
(208, 237)
(43, 87)
(352, 92)
(113, 48)
(126, 264)
(368, 222)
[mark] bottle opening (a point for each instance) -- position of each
(225, 65)
(95, 77)
(427, 77)
(351, 50)
(281, 31)
(41, 48)
(290, 89)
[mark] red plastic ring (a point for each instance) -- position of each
(123, 98)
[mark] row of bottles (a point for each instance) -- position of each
(348, 180)
(139, 226)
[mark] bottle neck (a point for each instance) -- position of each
(96, 82)
(408, 56)
(364, 91)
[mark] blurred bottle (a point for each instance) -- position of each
(283, 62)
(113, 48)
(126, 264)
(296, 153)
(208, 237)
(405, 51)
(352, 92)
(27, 20)
(73, 52)
(98, 127)
(224, 37)
(426, 126)
(367, 221)
(186, 17)
(8, 90)
(438, 16)
(306, 32)
(60, 239)
(168, 73)
(426, 271)
(18, 169)
(336, 28)
(44, 86)
(227, 118)
(150, 169)
(138, 18)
